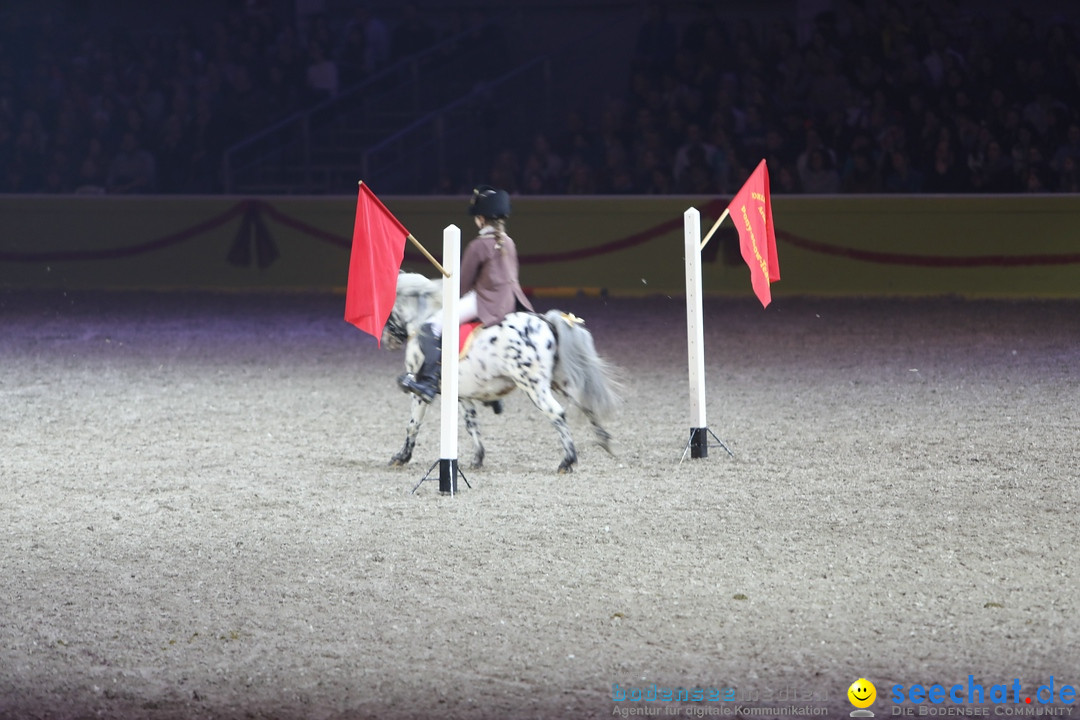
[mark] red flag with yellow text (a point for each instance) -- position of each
(378, 246)
(751, 209)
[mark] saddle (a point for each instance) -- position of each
(466, 331)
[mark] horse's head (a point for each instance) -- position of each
(395, 333)
(417, 298)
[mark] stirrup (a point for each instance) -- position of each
(409, 383)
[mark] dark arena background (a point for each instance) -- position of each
(198, 518)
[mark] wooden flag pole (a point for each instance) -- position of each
(708, 235)
(428, 255)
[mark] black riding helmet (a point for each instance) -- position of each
(490, 203)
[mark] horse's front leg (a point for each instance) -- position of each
(416, 419)
(468, 412)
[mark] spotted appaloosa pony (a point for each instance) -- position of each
(544, 355)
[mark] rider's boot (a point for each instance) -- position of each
(426, 382)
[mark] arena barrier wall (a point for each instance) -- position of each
(969, 246)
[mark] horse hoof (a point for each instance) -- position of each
(566, 469)
(397, 462)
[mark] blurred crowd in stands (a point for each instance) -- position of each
(878, 96)
(122, 111)
(870, 96)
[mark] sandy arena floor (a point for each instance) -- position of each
(198, 519)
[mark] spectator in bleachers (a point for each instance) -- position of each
(321, 75)
(376, 38)
(545, 163)
(900, 177)
(286, 53)
(245, 105)
(7, 140)
(828, 86)
(412, 34)
(785, 181)
(1069, 149)
(351, 57)
(581, 179)
(861, 173)
(705, 33)
(659, 183)
(133, 169)
(534, 183)
(174, 153)
(723, 157)
(947, 174)
(657, 38)
(995, 173)
(1068, 175)
(819, 174)
(1033, 181)
(281, 95)
(696, 176)
(93, 166)
(695, 150)
(209, 137)
(504, 172)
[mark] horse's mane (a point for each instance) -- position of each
(416, 284)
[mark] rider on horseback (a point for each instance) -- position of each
(489, 286)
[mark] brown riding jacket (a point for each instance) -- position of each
(489, 266)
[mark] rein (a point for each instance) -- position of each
(397, 326)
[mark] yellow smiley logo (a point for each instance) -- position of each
(862, 693)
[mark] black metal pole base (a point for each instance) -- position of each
(698, 444)
(448, 472)
(448, 475)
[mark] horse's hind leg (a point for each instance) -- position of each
(416, 419)
(602, 435)
(547, 404)
(468, 411)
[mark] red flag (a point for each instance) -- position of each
(751, 209)
(378, 246)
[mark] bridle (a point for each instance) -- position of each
(399, 329)
(396, 329)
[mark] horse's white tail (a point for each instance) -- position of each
(579, 371)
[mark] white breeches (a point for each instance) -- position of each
(466, 311)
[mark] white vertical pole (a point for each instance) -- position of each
(695, 334)
(449, 412)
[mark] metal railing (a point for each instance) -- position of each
(461, 140)
(455, 147)
(429, 118)
(292, 152)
